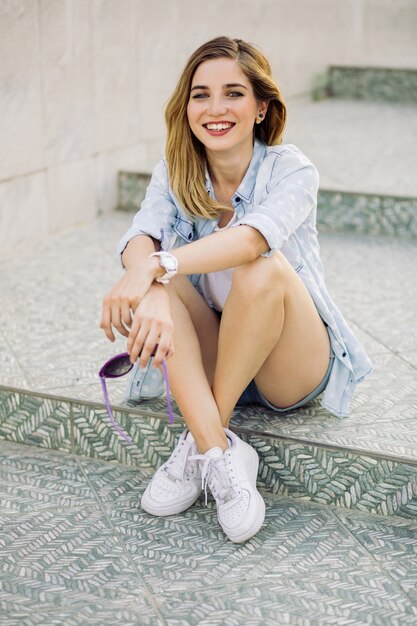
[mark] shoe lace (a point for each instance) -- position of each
(218, 474)
(179, 464)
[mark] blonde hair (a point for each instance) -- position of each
(185, 154)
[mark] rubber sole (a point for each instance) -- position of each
(256, 526)
(172, 510)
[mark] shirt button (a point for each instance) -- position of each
(344, 354)
(237, 199)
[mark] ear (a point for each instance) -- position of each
(263, 107)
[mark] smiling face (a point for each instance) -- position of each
(222, 107)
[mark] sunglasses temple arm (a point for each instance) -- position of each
(170, 413)
(112, 420)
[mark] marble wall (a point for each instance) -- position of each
(83, 85)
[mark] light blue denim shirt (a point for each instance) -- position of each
(278, 197)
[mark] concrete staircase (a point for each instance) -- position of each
(314, 467)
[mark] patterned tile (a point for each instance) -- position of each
(91, 392)
(27, 418)
(335, 477)
(82, 563)
(300, 601)
(367, 214)
(392, 543)
(373, 83)
(392, 322)
(410, 357)
(33, 479)
(153, 437)
(131, 190)
(95, 614)
(57, 549)
(201, 578)
(11, 372)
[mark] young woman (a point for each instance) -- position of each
(223, 273)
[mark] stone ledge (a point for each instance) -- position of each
(369, 214)
(378, 84)
(338, 211)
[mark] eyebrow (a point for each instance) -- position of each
(227, 86)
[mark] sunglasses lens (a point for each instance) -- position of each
(118, 366)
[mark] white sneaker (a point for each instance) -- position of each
(177, 484)
(231, 476)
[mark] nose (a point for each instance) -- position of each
(216, 106)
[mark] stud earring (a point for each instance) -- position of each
(260, 118)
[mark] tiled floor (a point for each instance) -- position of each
(76, 549)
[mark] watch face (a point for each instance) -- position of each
(169, 264)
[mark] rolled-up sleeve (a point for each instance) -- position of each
(290, 195)
(156, 216)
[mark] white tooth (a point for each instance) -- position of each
(218, 126)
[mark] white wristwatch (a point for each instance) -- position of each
(170, 264)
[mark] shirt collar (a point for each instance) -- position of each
(246, 187)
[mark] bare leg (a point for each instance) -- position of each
(189, 373)
(271, 331)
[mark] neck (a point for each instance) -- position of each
(227, 169)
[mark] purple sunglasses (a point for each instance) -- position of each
(120, 365)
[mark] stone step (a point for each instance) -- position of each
(291, 462)
(377, 84)
(76, 548)
(338, 211)
(52, 350)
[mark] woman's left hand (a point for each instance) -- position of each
(151, 325)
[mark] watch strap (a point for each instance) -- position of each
(169, 273)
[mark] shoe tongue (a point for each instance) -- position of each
(214, 453)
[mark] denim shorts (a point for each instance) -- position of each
(253, 395)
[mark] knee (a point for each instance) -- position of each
(176, 286)
(266, 276)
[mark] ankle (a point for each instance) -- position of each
(203, 444)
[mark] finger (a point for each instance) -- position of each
(164, 349)
(134, 330)
(138, 342)
(105, 323)
(116, 321)
(126, 314)
(148, 347)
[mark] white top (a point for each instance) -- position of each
(216, 285)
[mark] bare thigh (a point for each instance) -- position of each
(205, 321)
(299, 361)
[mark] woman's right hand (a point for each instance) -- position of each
(121, 302)
(152, 325)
